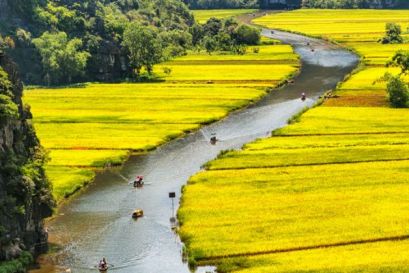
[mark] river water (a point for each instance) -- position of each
(97, 223)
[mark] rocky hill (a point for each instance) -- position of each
(25, 198)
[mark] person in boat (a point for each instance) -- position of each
(213, 139)
(303, 97)
(103, 265)
(138, 181)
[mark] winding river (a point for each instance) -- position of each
(97, 222)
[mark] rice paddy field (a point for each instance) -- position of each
(325, 194)
(88, 128)
(203, 15)
(358, 30)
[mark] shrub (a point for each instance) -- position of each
(398, 92)
(393, 34)
(18, 265)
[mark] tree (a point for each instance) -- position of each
(398, 92)
(209, 44)
(247, 35)
(393, 34)
(144, 47)
(401, 59)
(6, 42)
(62, 58)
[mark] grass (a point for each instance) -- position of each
(202, 16)
(337, 176)
(101, 124)
(68, 180)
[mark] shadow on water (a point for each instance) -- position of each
(98, 222)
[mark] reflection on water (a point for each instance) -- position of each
(98, 222)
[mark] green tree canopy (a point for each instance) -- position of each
(62, 58)
(144, 46)
(393, 34)
(398, 92)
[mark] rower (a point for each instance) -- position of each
(138, 183)
(103, 265)
(213, 139)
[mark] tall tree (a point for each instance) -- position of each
(62, 58)
(144, 47)
(392, 34)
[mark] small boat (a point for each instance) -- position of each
(137, 213)
(213, 139)
(103, 267)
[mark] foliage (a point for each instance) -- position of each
(144, 46)
(18, 265)
(62, 58)
(398, 92)
(401, 59)
(246, 35)
(8, 109)
(100, 26)
(221, 4)
(393, 34)
(5, 42)
(226, 35)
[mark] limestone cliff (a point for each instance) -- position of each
(25, 198)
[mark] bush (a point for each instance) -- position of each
(393, 34)
(247, 35)
(398, 92)
(17, 266)
(8, 109)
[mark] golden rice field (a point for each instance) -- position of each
(202, 16)
(338, 176)
(101, 124)
(376, 257)
(307, 186)
(356, 29)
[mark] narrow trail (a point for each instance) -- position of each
(98, 223)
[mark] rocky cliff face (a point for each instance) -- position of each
(25, 198)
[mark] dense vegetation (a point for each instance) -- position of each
(107, 40)
(25, 194)
(221, 4)
(337, 176)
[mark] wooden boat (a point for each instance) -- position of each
(103, 268)
(137, 213)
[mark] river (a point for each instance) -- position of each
(97, 223)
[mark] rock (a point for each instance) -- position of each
(24, 200)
